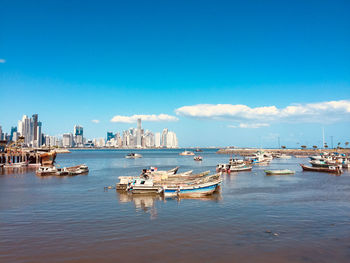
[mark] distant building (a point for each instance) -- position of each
(67, 140)
(78, 133)
(110, 136)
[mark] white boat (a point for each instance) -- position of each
(283, 156)
(46, 170)
(133, 156)
(143, 186)
(186, 153)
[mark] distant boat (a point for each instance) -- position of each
(133, 156)
(279, 172)
(198, 158)
(283, 156)
(330, 169)
(186, 153)
(199, 150)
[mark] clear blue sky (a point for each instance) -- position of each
(77, 61)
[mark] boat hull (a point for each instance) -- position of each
(192, 191)
(337, 170)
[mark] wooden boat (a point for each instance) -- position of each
(133, 156)
(198, 158)
(46, 171)
(78, 169)
(48, 158)
(330, 169)
(186, 153)
(283, 156)
(53, 170)
(143, 186)
(194, 190)
(279, 172)
(15, 165)
(240, 168)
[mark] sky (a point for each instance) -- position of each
(218, 73)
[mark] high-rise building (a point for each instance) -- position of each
(13, 130)
(138, 134)
(34, 121)
(78, 135)
(110, 135)
(67, 140)
(164, 138)
(157, 140)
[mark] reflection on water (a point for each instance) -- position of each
(147, 202)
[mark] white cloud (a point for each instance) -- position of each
(249, 125)
(153, 118)
(322, 112)
(95, 121)
(2, 60)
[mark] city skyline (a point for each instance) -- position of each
(29, 134)
(233, 80)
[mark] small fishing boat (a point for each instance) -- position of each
(283, 156)
(186, 153)
(143, 186)
(194, 190)
(330, 169)
(198, 158)
(46, 171)
(240, 168)
(15, 165)
(199, 150)
(133, 156)
(279, 172)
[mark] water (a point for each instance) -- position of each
(256, 218)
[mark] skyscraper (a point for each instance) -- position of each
(78, 135)
(110, 135)
(138, 134)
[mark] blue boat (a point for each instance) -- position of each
(194, 190)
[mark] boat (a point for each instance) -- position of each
(279, 172)
(194, 190)
(198, 158)
(53, 170)
(143, 186)
(78, 169)
(199, 150)
(186, 153)
(240, 168)
(15, 165)
(48, 158)
(46, 171)
(283, 156)
(330, 169)
(133, 156)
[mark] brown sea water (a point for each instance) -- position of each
(255, 218)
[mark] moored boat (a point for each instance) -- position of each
(240, 168)
(279, 172)
(198, 158)
(195, 190)
(133, 156)
(330, 169)
(186, 153)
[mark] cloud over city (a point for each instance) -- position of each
(149, 118)
(95, 121)
(321, 112)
